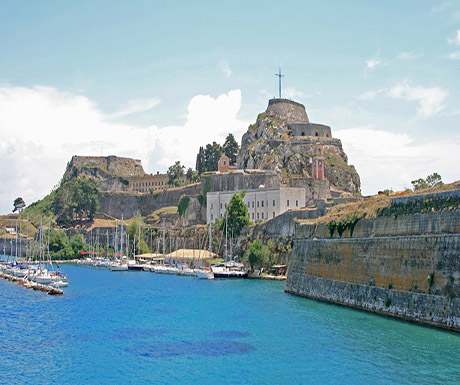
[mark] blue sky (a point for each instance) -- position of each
(154, 80)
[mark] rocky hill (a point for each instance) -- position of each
(110, 172)
(283, 140)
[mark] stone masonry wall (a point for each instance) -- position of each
(128, 204)
(292, 112)
(407, 267)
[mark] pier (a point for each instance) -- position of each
(32, 285)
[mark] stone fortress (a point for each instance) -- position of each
(284, 158)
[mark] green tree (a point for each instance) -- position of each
(183, 205)
(231, 148)
(75, 200)
(257, 254)
(78, 244)
(133, 232)
(237, 217)
(212, 153)
(200, 165)
(434, 179)
(430, 181)
(190, 174)
(59, 244)
(175, 173)
(19, 204)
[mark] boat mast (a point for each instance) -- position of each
(20, 242)
(226, 228)
(210, 243)
(164, 241)
(27, 240)
(139, 243)
(115, 242)
(16, 243)
(121, 239)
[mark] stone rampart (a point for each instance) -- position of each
(247, 180)
(310, 129)
(288, 110)
(114, 165)
(129, 204)
(407, 267)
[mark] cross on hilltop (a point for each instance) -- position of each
(279, 76)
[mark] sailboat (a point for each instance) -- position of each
(202, 272)
(119, 265)
(43, 275)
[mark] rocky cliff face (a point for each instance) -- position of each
(270, 144)
(109, 172)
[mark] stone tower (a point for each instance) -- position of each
(318, 164)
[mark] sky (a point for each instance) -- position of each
(154, 80)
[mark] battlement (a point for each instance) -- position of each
(288, 110)
(310, 129)
(112, 164)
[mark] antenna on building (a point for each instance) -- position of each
(279, 76)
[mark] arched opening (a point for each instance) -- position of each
(316, 134)
(303, 133)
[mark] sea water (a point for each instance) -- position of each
(140, 328)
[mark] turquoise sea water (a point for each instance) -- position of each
(140, 328)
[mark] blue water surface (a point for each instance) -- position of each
(141, 328)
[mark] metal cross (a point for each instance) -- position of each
(279, 76)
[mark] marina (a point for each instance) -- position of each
(141, 328)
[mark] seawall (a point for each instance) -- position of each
(406, 266)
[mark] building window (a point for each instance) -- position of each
(288, 203)
(257, 215)
(225, 162)
(262, 203)
(273, 214)
(258, 203)
(212, 206)
(262, 215)
(252, 206)
(274, 203)
(248, 204)
(319, 163)
(252, 215)
(212, 217)
(221, 205)
(296, 203)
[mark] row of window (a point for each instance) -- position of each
(259, 204)
(259, 216)
(147, 184)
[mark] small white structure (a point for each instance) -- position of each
(262, 203)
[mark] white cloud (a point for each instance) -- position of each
(430, 99)
(386, 159)
(224, 66)
(292, 93)
(372, 63)
(370, 95)
(409, 55)
(456, 39)
(42, 127)
(135, 106)
(454, 55)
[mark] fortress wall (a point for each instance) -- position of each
(236, 181)
(112, 164)
(116, 204)
(408, 267)
(310, 129)
(292, 112)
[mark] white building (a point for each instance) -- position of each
(263, 203)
